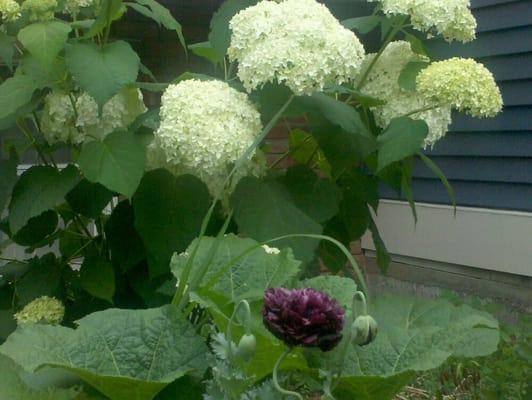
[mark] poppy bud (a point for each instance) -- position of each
(247, 347)
(364, 330)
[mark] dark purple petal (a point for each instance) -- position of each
(303, 317)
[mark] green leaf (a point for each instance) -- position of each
(98, 277)
(89, 199)
(13, 385)
(8, 177)
(125, 354)
(37, 229)
(439, 173)
(111, 10)
(102, 72)
(401, 139)
(125, 244)
(42, 279)
(303, 147)
(339, 288)
(336, 112)
(205, 50)
(235, 275)
(117, 162)
(416, 45)
(371, 387)
(44, 76)
(168, 222)
(161, 15)
(44, 40)
(14, 93)
(265, 210)
(7, 49)
(317, 197)
(47, 184)
(362, 24)
(220, 35)
(407, 78)
(406, 184)
(383, 257)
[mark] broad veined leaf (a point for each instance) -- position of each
(50, 75)
(362, 24)
(46, 184)
(7, 49)
(14, 387)
(205, 50)
(8, 177)
(317, 197)
(42, 279)
(336, 112)
(98, 277)
(117, 162)
(168, 222)
(152, 9)
(220, 35)
(305, 149)
(407, 78)
(125, 354)
(265, 210)
(14, 93)
(402, 138)
(247, 277)
(37, 229)
(44, 40)
(102, 72)
(111, 10)
(89, 199)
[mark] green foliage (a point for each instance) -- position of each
(363, 24)
(44, 40)
(88, 199)
(14, 93)
(47, 184)
(117, 162)
(8, 177)
(123, 353)
(169, 221)
(98, 277)
(407, 79)
(7, 49)
(102, 72)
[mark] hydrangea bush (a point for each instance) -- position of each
(171, 257)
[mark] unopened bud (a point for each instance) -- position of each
(364, 330)
(247, 347)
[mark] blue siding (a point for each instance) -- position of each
(489, 161)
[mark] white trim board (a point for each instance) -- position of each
(495, 240)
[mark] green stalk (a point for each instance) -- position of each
(276, 380)
(247, 324)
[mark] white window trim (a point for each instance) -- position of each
(495, 240)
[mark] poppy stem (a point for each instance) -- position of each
(275, 378)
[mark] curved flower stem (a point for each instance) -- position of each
(420, 110)
(247, 324)
(276, 380)
(389, 38)
(360, 295)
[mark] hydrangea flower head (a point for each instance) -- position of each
(9, 10)
(40, 10)
(295, 42)
(60, 122)
(463, 84)
(450, 18)
(382, 82)
(303, 317)
(46, 310)
(74, 6)
(206, 126)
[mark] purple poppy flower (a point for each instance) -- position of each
(303, 317)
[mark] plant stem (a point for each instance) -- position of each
(419, 110)
(108, 27)
(247, 324)
(389, 38)
(33, 142)
(276, 380)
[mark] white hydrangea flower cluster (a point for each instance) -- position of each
(296, 42)
(44, 310)
(450, 18)
(60, 122)
(9, 10)
(206, 126)
(462, 83)
(74, 6)
(40, 10)
(382, 83)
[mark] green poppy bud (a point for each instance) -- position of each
(247, 347)
(364, 330)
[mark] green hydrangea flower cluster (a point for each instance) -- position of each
(40, 10)
(9, 10)
(45, 310)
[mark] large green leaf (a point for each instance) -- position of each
(220, 35)
(363, 24)
(169, 221)
(265, 210)
(305, 150)
(44, 40)
(125, 354)
(407, 78)
(89, 199)
(247, 277)
(205, 50)
(14, 93)
(8, 177)
(7, 49)
(403, 138)
(42, 279)
(98, 277)
(39, 189)
(37, 229)
(102, 72)
(117, 162)
(315, 196)
(13, 386)
(339, 288)
(111, 10)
